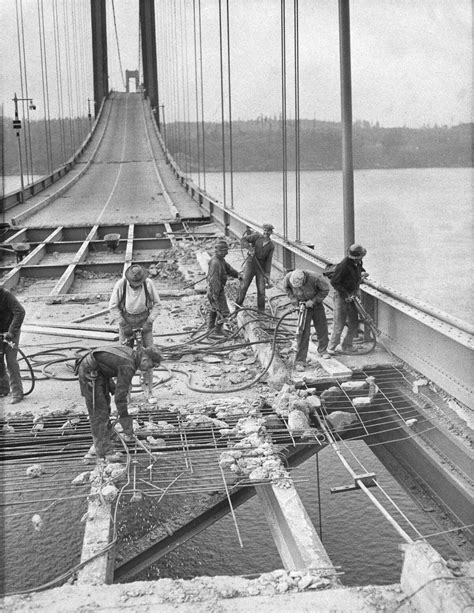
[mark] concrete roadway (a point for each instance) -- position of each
(121, 184)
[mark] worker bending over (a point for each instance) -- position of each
(95, 371)
(218, 272)
(309, 288)
(346, 280)
(258, 263)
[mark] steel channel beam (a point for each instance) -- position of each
(67, 278)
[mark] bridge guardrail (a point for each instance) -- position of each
(16, 197)
(438, 345)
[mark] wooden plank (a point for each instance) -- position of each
(102, 336)
(67, 278)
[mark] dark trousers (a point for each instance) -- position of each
(345, 313)
(218, 310)
(252, 269)
(317, 316)
(95, 388)
(10, 377)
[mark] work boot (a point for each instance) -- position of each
(16, 399)
(219, 331)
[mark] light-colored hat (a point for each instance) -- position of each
(297, 278)
(135, 274)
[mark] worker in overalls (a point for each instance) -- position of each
(95, 371)
(258, 264)
(308, 289)
(218, 272)
(135, 303)
(12, 315)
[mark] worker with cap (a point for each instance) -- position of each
(95, 371)
(12, 315)
(309, 288)
(258, 263)
(346, 280)
(135, 303)
(218, 272)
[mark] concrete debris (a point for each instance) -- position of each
(82, 478)
(340, 419)
(156, 442)
(109, 493)
(7, 429)
(35, 470)
(37, 522)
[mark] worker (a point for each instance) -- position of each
(95, 371)
(218, 272)
(135, 303)
(309, 288)
(12, 315)
(346, 280)
(258, 264)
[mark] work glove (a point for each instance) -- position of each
(240, 276)
(9, 337)
(251, 251)
(309, 304)
(349, 299)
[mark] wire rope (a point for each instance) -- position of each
(44, 79)
(221, 80)
(59, 85)
(297, 119)
(231, 156)
(201, 80)
(118, 45)
(284, 118)
(196, 96)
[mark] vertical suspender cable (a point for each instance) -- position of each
(68, 81)
(222, 105)
(283, 119)
(196, 91)
(176, 85)
(25, 94)
(44, 79)
(231, 158)
(59, 83)
(297, 120)
(185, 73)
(118, 46)
(202, 98)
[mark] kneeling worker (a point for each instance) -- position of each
(309, 288)
(95, 371)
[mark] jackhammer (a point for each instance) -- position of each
(146, 381)
(368, 320)
(300, 325)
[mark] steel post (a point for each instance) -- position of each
(346, 115)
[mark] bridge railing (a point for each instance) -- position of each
(19, 196)
(438, 345)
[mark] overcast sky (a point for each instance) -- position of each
(411, 59)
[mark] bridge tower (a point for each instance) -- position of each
(150, 69)
(99, 52)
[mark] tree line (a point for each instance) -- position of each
(257, 145)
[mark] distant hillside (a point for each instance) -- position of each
(257, 145)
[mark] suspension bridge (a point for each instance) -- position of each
(132, 164)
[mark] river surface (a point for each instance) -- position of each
(416, 224)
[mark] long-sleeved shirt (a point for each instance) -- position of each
(218, 272)
(347, 276)
(12, 313)
(134, 300)
(120, 362)
(263, 250)
(315, 288)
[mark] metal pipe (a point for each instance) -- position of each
(346, 116)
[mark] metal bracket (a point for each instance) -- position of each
(368, 479)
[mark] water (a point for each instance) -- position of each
(415, 223)
(357, 538)
(12, 183)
